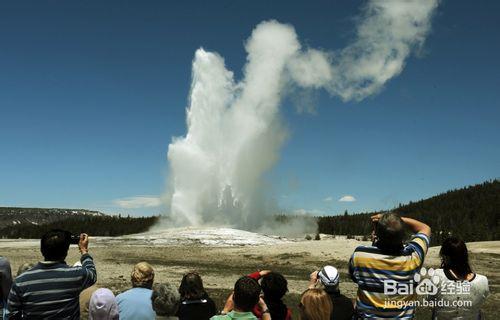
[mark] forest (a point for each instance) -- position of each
(471, 213)
(99, 225)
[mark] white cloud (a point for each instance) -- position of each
(138, 202)
(347, 198)
(328, 199)
(305, 212)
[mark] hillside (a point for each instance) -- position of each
(34, 222)
(473, 213)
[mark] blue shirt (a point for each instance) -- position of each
(135, 304)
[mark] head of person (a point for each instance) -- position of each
(192, 286)
(315, 304)
(328, 279)
(165, 299)
(142, 275)
(390, 232)
(455, 257)
(5, 278)
(274, 286)
(103, 306)
(246, 294)
(54, 245)
(24, 267)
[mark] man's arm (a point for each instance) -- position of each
(14, 304)
(417, 226)
(88, 266)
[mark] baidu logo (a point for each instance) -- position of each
(426, 280)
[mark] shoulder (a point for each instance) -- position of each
(220, 317)
(480, 280)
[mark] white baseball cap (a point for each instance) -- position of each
(329, 276)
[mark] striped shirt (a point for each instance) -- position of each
(371, 269)
(50, 290)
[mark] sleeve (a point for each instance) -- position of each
(255, 275)
(351, 269)
(418, 247)
(14, 304)
(89, 271)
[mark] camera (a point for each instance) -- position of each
(73, 238)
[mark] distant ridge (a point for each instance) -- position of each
(31, 223)
(472, 213)
(18, 215)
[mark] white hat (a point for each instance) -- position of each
(329, 276)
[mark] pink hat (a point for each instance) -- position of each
(103, 305)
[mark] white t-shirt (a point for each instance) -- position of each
(459, 300)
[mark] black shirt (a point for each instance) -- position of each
(343, 308)
(199, 309)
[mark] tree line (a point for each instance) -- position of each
(94, 225)
(471, 213)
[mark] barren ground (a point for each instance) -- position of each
(220, 266)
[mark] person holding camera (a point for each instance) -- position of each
(385, 271)
(51, 289)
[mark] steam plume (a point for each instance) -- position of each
(234, 129)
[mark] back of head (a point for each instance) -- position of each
(274, 286)
(329, 279)
(390, 232)
(165, 299)
(54, 245)
(142, 275)
(246, 293)
(315, 304)
(103, 306)
(5, 278)
(455, 257)
(192, 286)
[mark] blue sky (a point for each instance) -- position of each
(91, 94)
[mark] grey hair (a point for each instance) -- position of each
(390, 231)
(165, 299)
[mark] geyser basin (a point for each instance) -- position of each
(209, 236)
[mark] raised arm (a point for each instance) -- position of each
(417, 226)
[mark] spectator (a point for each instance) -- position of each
(328, 279)
(458, 283)
(5, 284)
(24, 267)
(274, 286)
(85, 297)
(165, 300)
(51, 288)
(103, 305)
(135, 303)
(240, 303)
(195, 302)
(386, 262)
(315, 304)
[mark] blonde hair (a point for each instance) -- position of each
(315, 304)
(142, 275)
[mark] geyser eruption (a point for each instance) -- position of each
(234, 129)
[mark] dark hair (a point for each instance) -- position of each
(54, 245)
(390, 232)
(274, 286)
(246, 293)
(454, 256)
(192, 286)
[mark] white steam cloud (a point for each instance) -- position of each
(234, 129)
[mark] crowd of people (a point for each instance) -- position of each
(51, 289)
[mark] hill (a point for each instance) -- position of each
(32, 223)
(473, 213)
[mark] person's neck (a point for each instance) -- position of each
(236, 309)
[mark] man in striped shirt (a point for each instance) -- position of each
(50, 290)
(385, 271)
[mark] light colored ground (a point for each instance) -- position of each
(220, 264)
